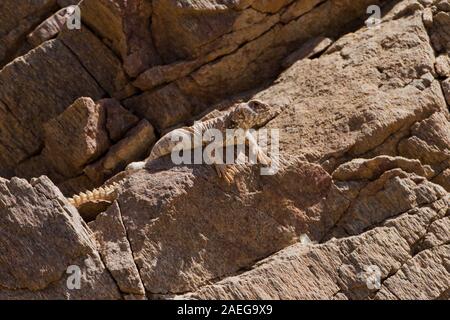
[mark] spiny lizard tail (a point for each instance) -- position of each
(106, 193)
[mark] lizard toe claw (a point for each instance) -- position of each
(264, 159)
(226, 172)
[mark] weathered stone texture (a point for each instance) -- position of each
(364, 168)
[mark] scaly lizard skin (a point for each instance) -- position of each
(107, 193)
(244, 116)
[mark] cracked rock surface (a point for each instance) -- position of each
(364, 138)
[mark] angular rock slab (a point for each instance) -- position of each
(360, 97)
(186, 227)
(404, 257)
(111, 236)
(41, 238)
(215, 49)
(16, 20)
(34, 89)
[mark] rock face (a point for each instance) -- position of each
(33, 216)
(364, 150)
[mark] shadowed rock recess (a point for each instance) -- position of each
(364, 143)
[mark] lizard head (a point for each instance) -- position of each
(255, 113)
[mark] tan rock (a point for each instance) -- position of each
(49, 28)
(371, 169)
(427, 17)
(53, 238)
(299, 8)
(164, 74)
(93, 129)
(167, 215)
(164, 108)
(16, 21)
(118, 119)
(353, 99)
(423, 277)
(42, 95)
(443, 179)
(76, 137)
(439, 36)
(437, 235)
(429, 142)
(446, 88)
(125, 25)
(270, 6)
(385, 198)
(443, 5)
(110, 233)
(309, 49)
(376, 263)
(236, 52)
(136, 145)
(443, 65)
(364, 147)
(99, 61)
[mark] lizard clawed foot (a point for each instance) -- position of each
(264, 159)
(227, 172)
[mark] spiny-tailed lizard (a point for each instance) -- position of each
(242, 117)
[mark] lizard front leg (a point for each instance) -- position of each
(213, 156)
(227, 172)
(255, 149)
